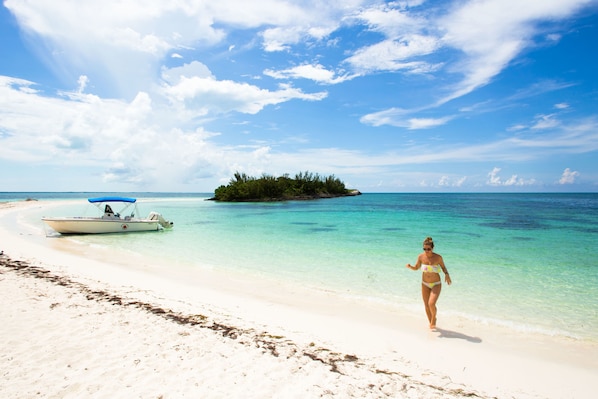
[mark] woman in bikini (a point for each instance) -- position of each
(431, 263)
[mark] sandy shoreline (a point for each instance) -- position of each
(79, 326)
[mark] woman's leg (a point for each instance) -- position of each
(426, 291)
(431, 307)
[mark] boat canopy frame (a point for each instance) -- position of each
(112, 199)
(98, 202)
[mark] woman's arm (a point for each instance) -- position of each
(447, 277)
(418, 264)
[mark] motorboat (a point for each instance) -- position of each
(109, 221)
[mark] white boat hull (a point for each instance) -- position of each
(82, 225)
(109, 222)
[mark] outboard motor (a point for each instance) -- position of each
(163, 222)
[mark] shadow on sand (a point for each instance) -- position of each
(453, 334)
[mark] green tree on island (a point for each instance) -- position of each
(269, 188)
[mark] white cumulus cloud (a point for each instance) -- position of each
(568, 176)
(317, 73)
(221, 96)
(495, 180)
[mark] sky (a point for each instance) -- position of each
(387, 96)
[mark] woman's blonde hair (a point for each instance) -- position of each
(429, 241)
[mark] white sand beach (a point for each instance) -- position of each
(80, 322)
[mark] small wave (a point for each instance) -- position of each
(517, 327)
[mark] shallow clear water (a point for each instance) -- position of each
(526, 261)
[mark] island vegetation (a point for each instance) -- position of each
(304, 186)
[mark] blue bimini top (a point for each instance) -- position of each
(112, 199)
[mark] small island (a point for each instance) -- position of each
(305, 186)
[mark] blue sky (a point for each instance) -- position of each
(402, 96)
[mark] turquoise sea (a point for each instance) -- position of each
(522, 261)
